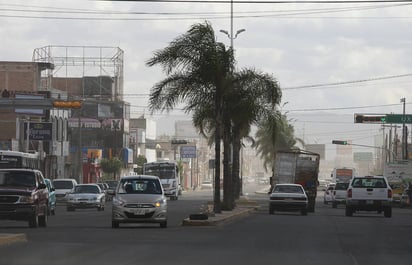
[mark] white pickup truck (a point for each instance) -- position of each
(369, 193)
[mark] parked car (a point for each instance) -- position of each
(23, 196)
(288, 197)
(327, 195)
(86, 196)
(206, 185)
(369, 193)
(339, 194)
(139, 199)
(51, 210)
(62, 187)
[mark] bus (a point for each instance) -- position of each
(168, 172)
(15, 159)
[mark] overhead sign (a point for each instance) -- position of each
(398, 118)
(383, 118)
(188, 151)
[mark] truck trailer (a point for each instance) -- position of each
(299, 167)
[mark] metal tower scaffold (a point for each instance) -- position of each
(82, 62)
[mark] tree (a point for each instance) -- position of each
(112, 165)
(255, 96)
(140, 161)
(274, 133)
(197, 68)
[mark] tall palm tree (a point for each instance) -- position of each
(274, 133)
(252, 95)
(197, 69)
(258, 94)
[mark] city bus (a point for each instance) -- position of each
(168, 172)
(15, 159)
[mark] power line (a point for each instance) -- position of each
(348, 82)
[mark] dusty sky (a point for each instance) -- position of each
(336, 58)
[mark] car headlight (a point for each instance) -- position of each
(26, 199)
(159, 203)
(118, 201)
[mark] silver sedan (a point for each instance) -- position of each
(86, 196)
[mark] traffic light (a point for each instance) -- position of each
(67, 104)
(339, 142)
(370, 118)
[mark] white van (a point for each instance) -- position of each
(62, 187)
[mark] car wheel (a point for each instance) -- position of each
(163, 224)
(334, 205)
(388, 212)
(348, 211)
(304, 212)
(325, 202)
(34, 221)
(53, 212)
(115, 224)
(43, 219)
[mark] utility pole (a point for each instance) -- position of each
(404, 136)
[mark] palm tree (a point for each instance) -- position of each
(258, 94)
(253, 95)
(197, 69)
(274, 133)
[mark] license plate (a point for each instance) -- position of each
(369, 202)
(139, 211)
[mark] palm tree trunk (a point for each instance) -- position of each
(236, 167)
(227, 177)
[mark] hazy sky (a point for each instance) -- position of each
(334, 58)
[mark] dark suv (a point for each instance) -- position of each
(23, 196)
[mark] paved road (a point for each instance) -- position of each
(324, 237)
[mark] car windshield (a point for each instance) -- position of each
(341, 186)
(18, 179)
(63, 184)
(288, 189)
(86, 189)
(369, 183)
(146, 186)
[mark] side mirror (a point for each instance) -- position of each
(42, 186)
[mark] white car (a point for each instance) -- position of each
(139, 199)
(339, 194)
(86, 196)
(327, 195)
(288, 197)
(369, 193)
(206, 185)
(62, 187)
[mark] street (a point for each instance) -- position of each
(323, 237)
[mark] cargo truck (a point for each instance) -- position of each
(342, 174)
(300, 167)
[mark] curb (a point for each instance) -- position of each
(8, 239)
(219, 218)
